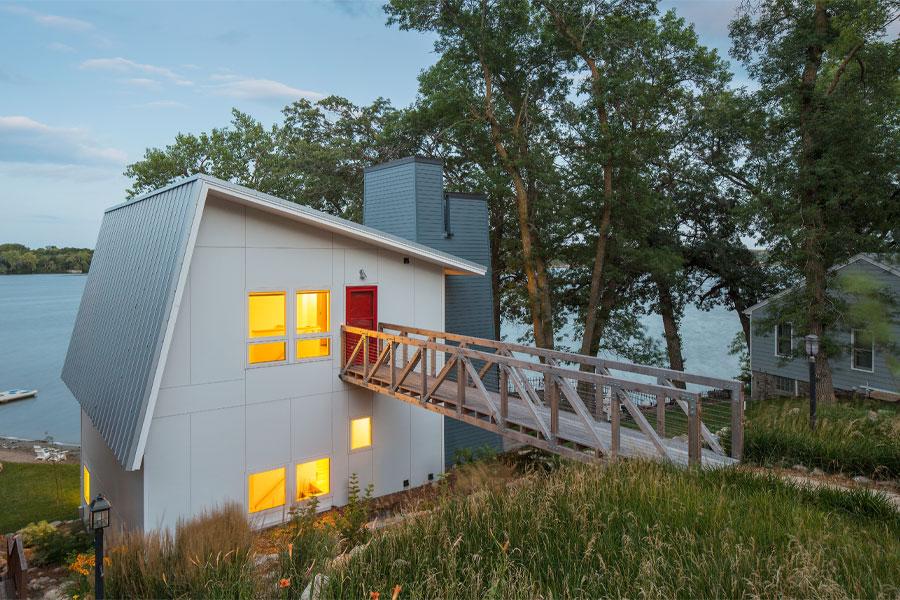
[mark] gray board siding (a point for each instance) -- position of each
(117, 339)
(406, 198)
(763, 356)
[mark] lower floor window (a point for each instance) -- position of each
(86, 485)
(784, 384)
(313, 478)
(266, 490)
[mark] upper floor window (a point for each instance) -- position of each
(784, 339)
(267, 320)
(312, 312)
(274, 325)
(862, 353)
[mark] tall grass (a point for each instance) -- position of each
(853, 438)
(209, 557)
(634, 530)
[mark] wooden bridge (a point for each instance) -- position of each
(566, 403)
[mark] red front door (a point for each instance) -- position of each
(362, 311)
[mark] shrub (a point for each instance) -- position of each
(351, 523)
(53, 546)
(312, 543)
(209, 557)
(636, 529)
(850, 437)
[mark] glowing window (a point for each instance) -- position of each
(86, 485)
(266, 352)
(312, 312)
(360, 433)
(266, 490)
(313, 478)
(267, 314)
(312, 348)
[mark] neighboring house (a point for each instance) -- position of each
(205, 354)
(777, 361)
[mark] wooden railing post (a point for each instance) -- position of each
(393, 363)
(737, 423)
(343, 349)
(504, 398)
(424, 367)
(661, 415)
(693, 431)
(461, 377)
(365, 351)
(614, 422)
(551, 392)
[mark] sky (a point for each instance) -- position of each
(86, 87)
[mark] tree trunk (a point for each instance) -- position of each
(740, 306)
(814, 265)
(670, 327)
(498, 264)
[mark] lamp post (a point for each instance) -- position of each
(812, 349)
(99, 521)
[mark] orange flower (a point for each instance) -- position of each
(374, 595)
(396, 593)
(291, 550)
(285, 582)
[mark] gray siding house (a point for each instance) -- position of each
(779, 367)
(406, 197)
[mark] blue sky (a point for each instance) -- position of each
(85, 87)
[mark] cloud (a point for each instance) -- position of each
(24, 140)
(47, 20)
(13, 77)
(258, 89)
(60, 47)
(124, 65)
(144, 83)
(161, 104)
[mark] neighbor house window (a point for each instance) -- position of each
(86, 485)
(313, 478)
(267, 322)
(360, 433)
(784, 345)
(312, 320)
(862, 354)
(784, 384)
(266, 490)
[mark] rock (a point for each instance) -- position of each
(795, 411)
(862, 480)
(262, 559)
(313, 591)
(872, 415)
(55, 523)
(55, 594)
(800, 468)
(818, 471)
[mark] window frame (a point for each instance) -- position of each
(302, 461)
(853, 366)
(791, 337)
(295, 337)
(291, 336)
(287, 497)
(371, 434)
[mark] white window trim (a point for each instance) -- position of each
(291, 336)
(791, 355)
(853, 366)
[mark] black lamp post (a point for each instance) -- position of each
(99, 521)
(812, 349)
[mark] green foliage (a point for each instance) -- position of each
(312, 543)
(637, 530)
(34, 531)
(16, 259)
(468, 455)
(55, 546)
(857, 438)
(31, 493)
(351, 522)
(209, 557)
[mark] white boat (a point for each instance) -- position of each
(10, 395)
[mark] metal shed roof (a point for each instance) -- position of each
(125, 322)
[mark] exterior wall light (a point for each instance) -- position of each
(812, 350)
(362, 274)
(99, 508)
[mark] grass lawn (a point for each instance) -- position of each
(35, 492)
(636, 529)
(852, 437)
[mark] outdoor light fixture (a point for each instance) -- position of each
(362, 274)
(99, 508)
(812, 350)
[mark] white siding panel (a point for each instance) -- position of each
(178, 363)
(217, 302)
(279, 268)
(365, 259)
(265, 230)
(391, 443)
(396, 296)
(222, 224)
(310, 437)
(268, 435)
(288, 381)
(217, 459)
(340, 463)
(361, 464)
(167, 472)
(426, 446)
(198, 398)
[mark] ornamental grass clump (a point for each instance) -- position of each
(855, 438)
(209, 557)
(636, 529)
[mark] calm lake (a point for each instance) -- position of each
(37, 313)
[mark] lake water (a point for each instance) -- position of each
(37, 313)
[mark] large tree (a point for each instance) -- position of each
(823, 163)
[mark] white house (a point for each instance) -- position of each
(205, 356)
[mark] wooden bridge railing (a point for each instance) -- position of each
(422, 364)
